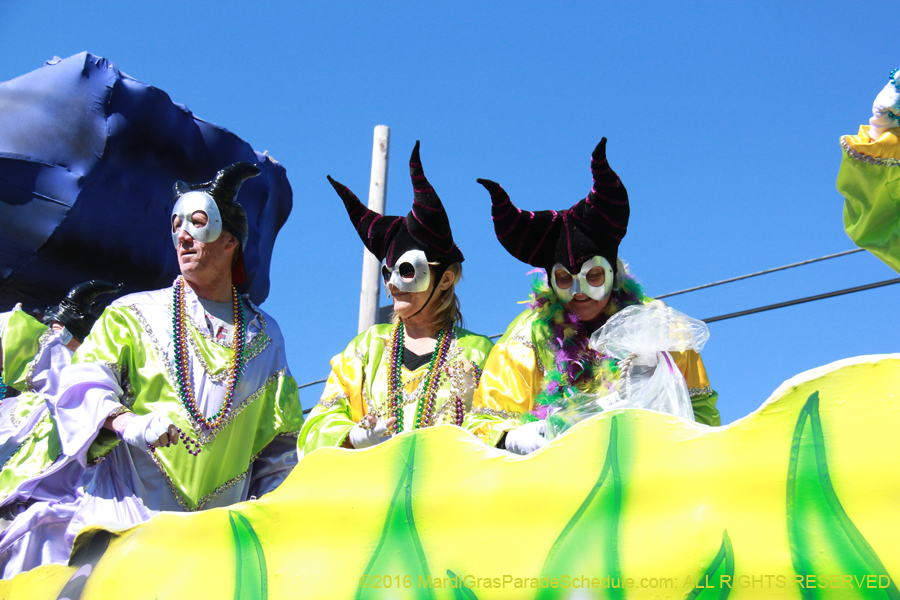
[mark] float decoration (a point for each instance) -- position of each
(88, 157)
(797, 500)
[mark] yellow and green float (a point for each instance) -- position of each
(800, 499)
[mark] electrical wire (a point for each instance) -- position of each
(861, 288)
(758, 273)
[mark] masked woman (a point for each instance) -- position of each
(421, 369)
(869, 178)
(544, 355)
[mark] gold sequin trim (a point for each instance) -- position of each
(124, 382)
(117, 411)
(521, 339)
(259, 343)
(872, 160)
(490, 412)
(328, 403)
(700, 391)
(528, 343)
(99, 459)
(203, 436)
(360, 356)
(16, 451)
(448, 406)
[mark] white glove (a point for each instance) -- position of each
(144, 430)
(885, 110)
(372, 436)
(527, 438)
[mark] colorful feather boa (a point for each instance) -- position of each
(576, 367)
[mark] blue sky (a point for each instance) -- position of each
(723, 121)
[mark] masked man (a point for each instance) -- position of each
(184, 392)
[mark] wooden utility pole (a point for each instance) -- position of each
(371, 272)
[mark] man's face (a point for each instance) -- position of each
(198, 260)
(186, 215)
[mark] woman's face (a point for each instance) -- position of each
(409, 305)
(585, 308)
(591, 290)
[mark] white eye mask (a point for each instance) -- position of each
(186, 206)
(410, 272)
(580, 283)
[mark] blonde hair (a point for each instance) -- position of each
(446, 311)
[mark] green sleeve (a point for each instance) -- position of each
(21, 342)
(705, 410)
(871, 193)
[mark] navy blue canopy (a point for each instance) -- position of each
(88, 157)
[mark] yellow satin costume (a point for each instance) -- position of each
(358, 385)
(514, 375)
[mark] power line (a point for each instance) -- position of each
(758, 273)
(861, 288)
(305, 385)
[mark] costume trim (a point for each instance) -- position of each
(483, 411)
(160, 352)
(98, 460)
(29, 374)
(259, 343)
(700, 391)
(205, 436)
(121, 372)
(14, 452)
(328, 403)
(17, 450)
(257, 313)
(872, 160)
(215, 378)
(179, 498)
(118, 411)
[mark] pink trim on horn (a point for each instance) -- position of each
(449, 234)
(515, 222)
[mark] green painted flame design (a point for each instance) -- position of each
(399, 552)
(710, 583)
(594, 526)
(250, 575)
(822, 536)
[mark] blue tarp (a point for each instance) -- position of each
(88, 157)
